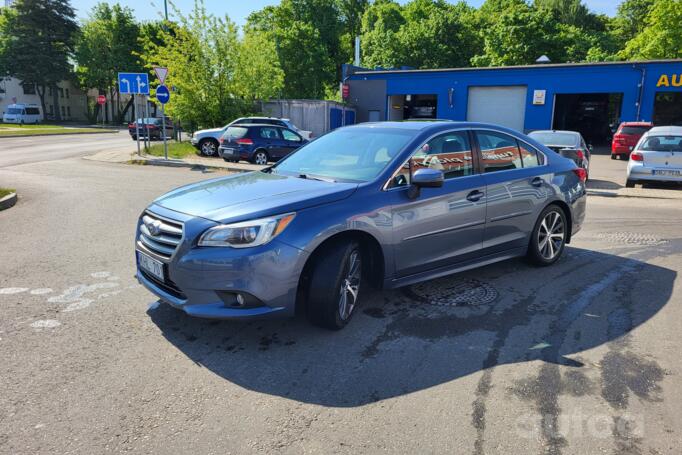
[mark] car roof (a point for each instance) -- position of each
(264, 118)
(251, 125)
(575, 133)
(665, 130)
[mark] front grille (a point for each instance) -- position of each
(159, 235)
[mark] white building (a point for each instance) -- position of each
(72, 101)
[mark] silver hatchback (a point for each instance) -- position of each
(657, 157)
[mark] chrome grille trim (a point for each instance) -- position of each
(166, 241)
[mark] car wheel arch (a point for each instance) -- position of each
(372, 252)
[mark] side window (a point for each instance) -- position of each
(529, 156)
(450, 153)
(290, 136)
(499, 152)
(269, 133)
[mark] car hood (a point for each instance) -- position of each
(209, 131)
(252, 195)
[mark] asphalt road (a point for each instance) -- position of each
(20, 150)
(582, 357)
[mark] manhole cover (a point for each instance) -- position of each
(454, 292)
(632, 238)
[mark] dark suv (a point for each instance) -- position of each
(258, 143)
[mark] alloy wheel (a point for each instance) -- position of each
(551, 235)
(208, 148)
(261, 158)
(350, 286)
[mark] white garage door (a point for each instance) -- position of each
(504, 106)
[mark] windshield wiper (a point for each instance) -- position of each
(310, 177)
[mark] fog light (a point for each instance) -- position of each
(240, 300)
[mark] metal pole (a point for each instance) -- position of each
(163, 120)
(165, 8)
(147, 137)
(137, 125)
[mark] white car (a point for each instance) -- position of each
(22, 114)
(657, 157)
(208, 141)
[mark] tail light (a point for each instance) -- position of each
(581, 154)
(245, 141)
(619, 139)
(636, 156)
(581, 173)
(221, 140)
(151, 127)
(131, 125)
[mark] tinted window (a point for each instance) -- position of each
(290, 136)
(351, 154)
(269, 133)
(554, 138)
(32, 111)
(499, 151)
(450, 153)
(13, 111)
(638, 130)
(529, 156)
(236, 132)
(662, 144)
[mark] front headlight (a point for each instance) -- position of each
(247, 233)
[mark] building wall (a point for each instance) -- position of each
(611, 78)
(71, 98)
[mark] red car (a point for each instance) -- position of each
(626, 138)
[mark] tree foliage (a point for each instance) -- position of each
(661, 37)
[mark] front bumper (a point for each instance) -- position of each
(269, 274)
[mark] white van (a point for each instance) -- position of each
(22, 113)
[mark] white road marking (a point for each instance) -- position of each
(113, 278)
(41, 291)
(46, 324)
(7, 291)
(100, 274)
(74, 295)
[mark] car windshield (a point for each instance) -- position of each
(662, 144)
(13, 111)
(352, 154)
(235, 132)
(634, 130)
(555, 138)
(147, 121)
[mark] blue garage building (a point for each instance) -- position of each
(587, 97)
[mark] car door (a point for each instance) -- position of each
(292, 141)
(516, 182)
(271, 141)
(440, 226)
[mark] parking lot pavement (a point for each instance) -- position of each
(580, 357)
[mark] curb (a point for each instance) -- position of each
(613, 194)
(8, 201)
(60, 134)
(164, 163)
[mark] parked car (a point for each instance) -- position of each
(150, 126)
(22, 114)
(258, 143)
(656, 157)
(626, 137)
(208, 141)
(569, 144)
(377, 204)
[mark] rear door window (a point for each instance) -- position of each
(269, 133)
(499, 152)
(529, 156)
(32, 111)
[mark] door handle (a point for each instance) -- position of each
(537, 181)
(475, 196)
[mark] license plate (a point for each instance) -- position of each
(150, 265)
(228, 151)
(672, 173)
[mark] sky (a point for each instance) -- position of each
(238, 10)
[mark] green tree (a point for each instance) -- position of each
(661, 38)
(108, 44)
(257, 77)
(380, 25)
(631, 19)
(38, 44)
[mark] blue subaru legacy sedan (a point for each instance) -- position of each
(371, 205)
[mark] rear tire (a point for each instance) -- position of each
(629, 183)
(613, 157)
(260, 157)
(335, 285)
(548, 239)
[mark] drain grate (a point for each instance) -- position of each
(454, 292)
(632, 238)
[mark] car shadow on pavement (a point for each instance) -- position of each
(411, 339)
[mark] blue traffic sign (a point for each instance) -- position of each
(133, 83)
(162, 94)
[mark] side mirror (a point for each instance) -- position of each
(428, 178)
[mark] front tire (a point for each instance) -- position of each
(548, 238)
(260, 157)
(335, 285)
(629, 183)
(613, 157)
(208, 147)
